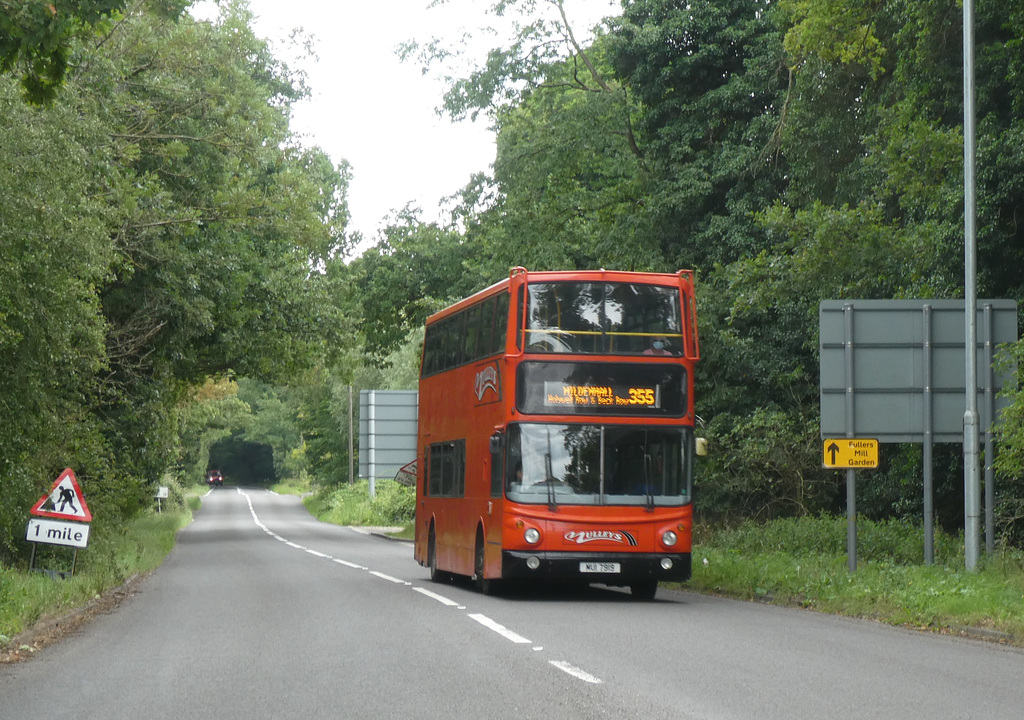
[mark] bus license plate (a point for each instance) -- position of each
(599, 567)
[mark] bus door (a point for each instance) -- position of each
(495, 505)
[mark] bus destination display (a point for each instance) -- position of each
(609, 389)
(558, 394)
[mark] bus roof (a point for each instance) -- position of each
(649, 278)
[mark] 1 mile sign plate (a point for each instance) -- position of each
(57, 532)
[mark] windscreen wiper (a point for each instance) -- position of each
(549, 480)
(648, 484)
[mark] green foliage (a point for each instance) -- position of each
(395, 285)
(160, 226)
(764, 464)
(803, 561)
(897, 541)
(570, 175)
(37, 37)
(711, 81)
(138, 547)
(1009, 460)
(322, 402)
(350, 504)
(213, 413)
(54, 253)
(394, 502)
(837, 32)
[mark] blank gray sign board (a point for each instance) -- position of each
(908, 356)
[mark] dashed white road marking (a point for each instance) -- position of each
(433, 595)
(576, 672)
(352, 565)
(500, 629)
(382, 576)
(482, 619)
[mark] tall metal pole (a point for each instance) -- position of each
(371, 445)
(987, 420)
(972, 454)
(851, 475)
(928, 459)
(351, 456)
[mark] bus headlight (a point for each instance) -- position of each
(669, 538)
(532, 536)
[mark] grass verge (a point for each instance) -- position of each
(27, 597)
(803, 562)
(796, 562)
(393, 505)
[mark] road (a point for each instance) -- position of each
(260, 611)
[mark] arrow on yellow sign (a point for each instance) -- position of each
(849, 453)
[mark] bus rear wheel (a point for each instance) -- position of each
(644, 589)
(486, 585)
(438, 576)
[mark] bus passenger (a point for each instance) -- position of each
(658, 347)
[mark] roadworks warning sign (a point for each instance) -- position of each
(65, 500)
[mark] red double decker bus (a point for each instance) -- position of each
(556, 431)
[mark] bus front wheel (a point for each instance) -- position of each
(644, 589)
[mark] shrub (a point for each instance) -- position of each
(350, 504)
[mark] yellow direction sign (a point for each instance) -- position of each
(849, 453)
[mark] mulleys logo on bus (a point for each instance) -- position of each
(579, 537)
(486, 379)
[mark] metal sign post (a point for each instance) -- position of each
(65, 501)
(972, 453)
(895, 370)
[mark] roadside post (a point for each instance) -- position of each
(162, 493)
(849, 454)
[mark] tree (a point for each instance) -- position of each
(38, 37)
(160, 227)
(227, 231)
(54, 254)
(570, 175)
(210, 413)
(405, 277)
(711, 79)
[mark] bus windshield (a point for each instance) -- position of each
(603, 318)
(556, 464)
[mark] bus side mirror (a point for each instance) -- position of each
(497, 443)
(702, 446)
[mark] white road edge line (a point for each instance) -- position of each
(500, 629)
(576, 672)
(440, 598)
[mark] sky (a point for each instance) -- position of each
(378, 113)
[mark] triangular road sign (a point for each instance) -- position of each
(65, 500)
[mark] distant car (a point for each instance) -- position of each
(214, 478)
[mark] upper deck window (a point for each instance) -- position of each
(604, 318)
(467, 336)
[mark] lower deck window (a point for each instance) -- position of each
(446, 469)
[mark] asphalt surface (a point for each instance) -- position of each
(260, 611)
